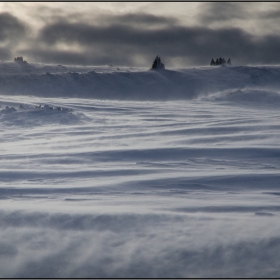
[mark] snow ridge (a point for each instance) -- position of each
(133, 83)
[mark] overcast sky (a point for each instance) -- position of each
(133, 33)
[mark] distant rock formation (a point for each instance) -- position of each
(157, 64)
(220, 61)
(19, 60)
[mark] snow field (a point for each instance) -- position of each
(142, 188)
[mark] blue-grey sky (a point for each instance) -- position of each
(132, 33)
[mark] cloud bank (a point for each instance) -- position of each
(134, 38)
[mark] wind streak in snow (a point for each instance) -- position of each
(113, 188)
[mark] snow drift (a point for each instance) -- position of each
(139, 187)
(133, 83)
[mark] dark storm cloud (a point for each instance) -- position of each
(271, 15)
(99, 18)
(134, 39)
(146, 19)
(196, 45)
(219, 12)
(119, 26)
(10, 27)
(12, 31)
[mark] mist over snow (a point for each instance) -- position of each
(123, 172)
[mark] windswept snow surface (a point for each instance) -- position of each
(120, 172)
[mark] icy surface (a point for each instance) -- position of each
(142, 187)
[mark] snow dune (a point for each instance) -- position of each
(134, 84)
(133, 173)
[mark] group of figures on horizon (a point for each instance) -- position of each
(157, 64)
(220, 61)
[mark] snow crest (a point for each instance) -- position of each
(133, 83)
